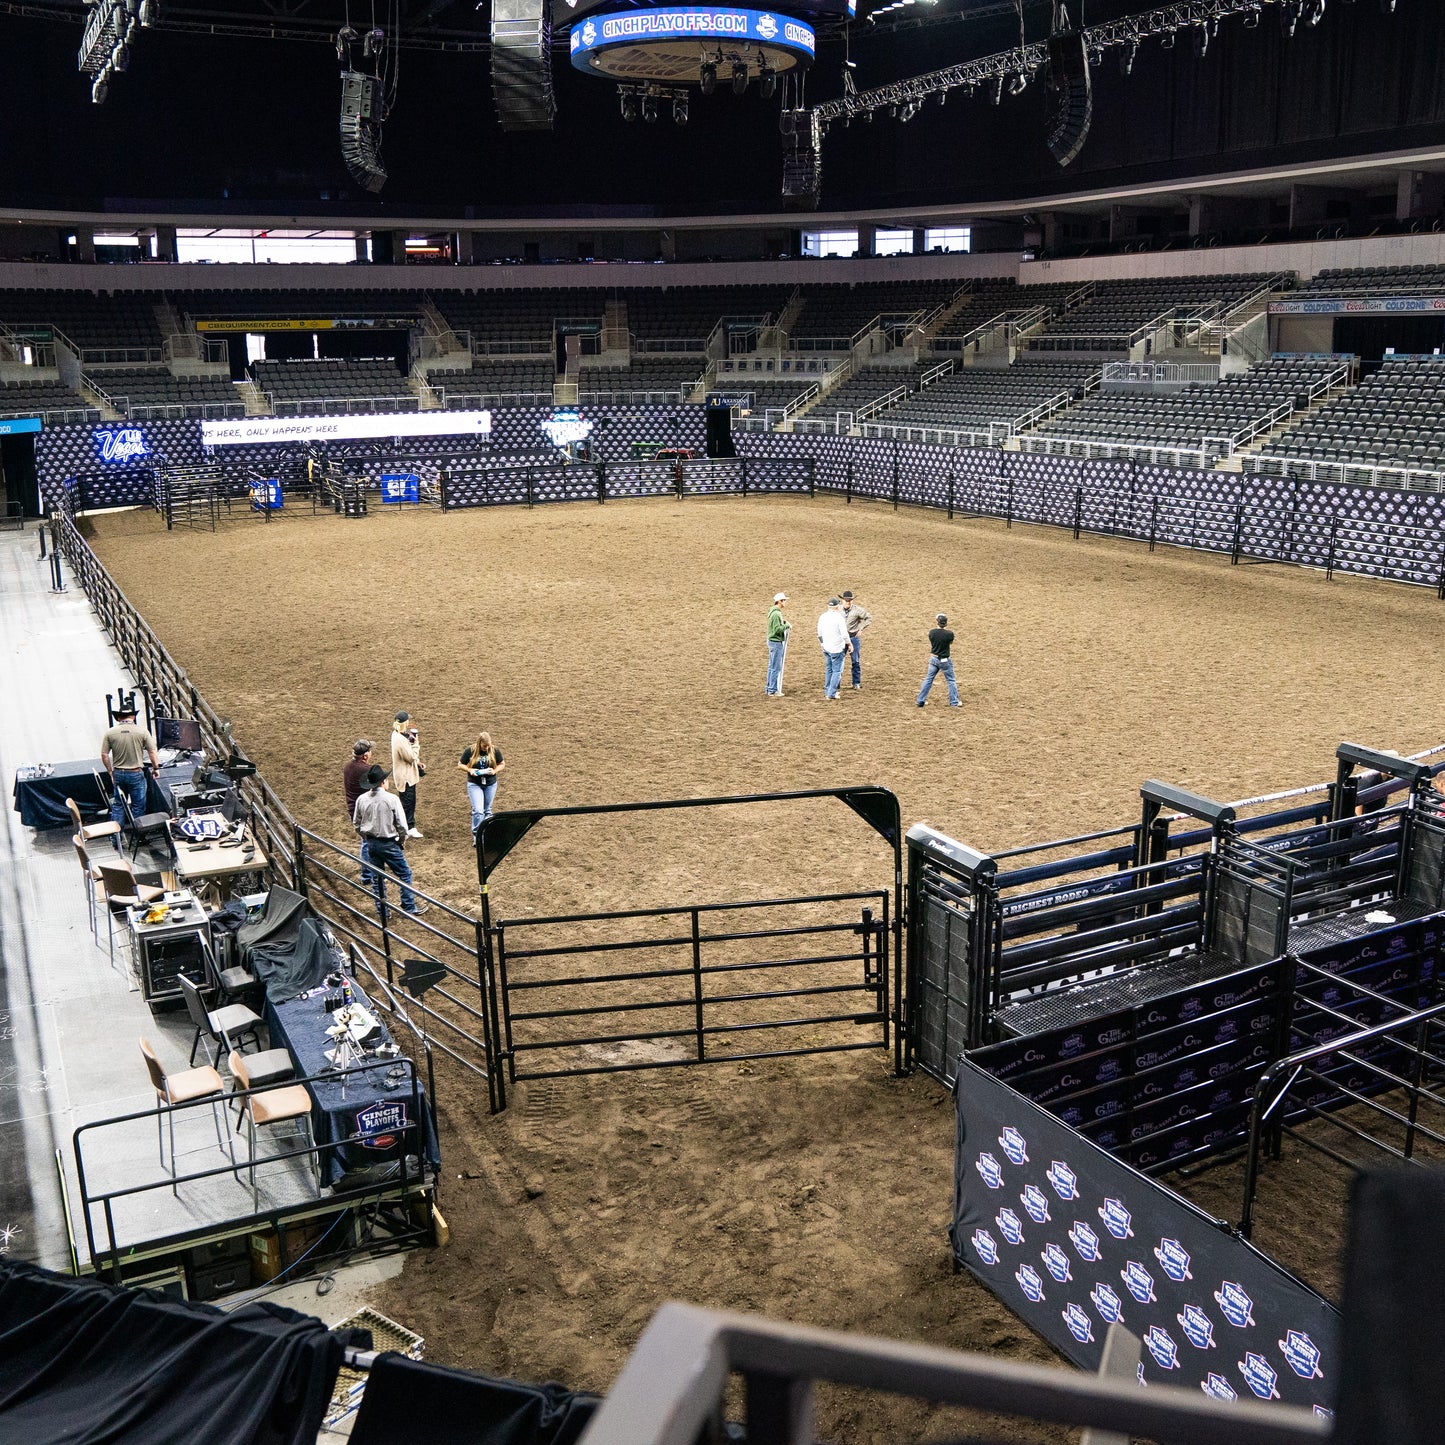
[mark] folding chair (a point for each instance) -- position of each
(181, 1088)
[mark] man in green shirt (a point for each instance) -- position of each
(123, 753)
(778, 629)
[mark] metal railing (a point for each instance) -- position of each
(54, 416)
(674, 397)
(1161, 454)
(680, 345)
(342, 405)
(1150, 373)
(476, 400)
(1370, 474)
(671, 1390)
(120, 355)
(513, 346)
(162, 410)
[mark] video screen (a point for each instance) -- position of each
(564, 12)
(181, 733)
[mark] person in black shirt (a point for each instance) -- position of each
(481, 763)
(940, 640)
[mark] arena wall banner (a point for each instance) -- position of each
(253, 430)
(1073, 1240)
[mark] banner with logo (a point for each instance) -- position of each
(1072, 1240)
(400, 487)
(1355, 305)
(120, 446)
(11, 426)
(266, 495)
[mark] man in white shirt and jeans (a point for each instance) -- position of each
(833, 634)
(381, 821)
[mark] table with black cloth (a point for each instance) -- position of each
(41, 801)
(299, 1025)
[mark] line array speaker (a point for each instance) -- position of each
(1071, 95)
(522, 65)
(361, 116)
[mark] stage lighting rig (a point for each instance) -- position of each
(707, 77)
(649, 109)
(648, 101)
(740, 77)
(108, 44)
(679, 108)
(767, 80)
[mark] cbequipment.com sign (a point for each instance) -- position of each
(1073, 1240)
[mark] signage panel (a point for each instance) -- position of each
(715, 23)
(400, 487)
(120, 446)
(1072, 1240)
(262, 431)
(11, 426)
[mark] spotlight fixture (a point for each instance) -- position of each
(649, 109)
(740, 77)
(679, 108)
(120, 58)
(1289, 13)
(1251, 19)
(998, 90)
(99, 89)
(1316, 12)
(628, 102)
(1127, 56)
(150, 12)
(707, 77)
(107, 46)
(1018, 83)
(767, 81)
(1167, 43)
(1201, 42)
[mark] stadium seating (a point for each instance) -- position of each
(493, 380)
(323, 387)
(692, 312)
(869, 384)
(1117, 311)
(645, 373)
(1377, 280)
(841, 311)
(134, 388)
(90, 320)
(990, 298)
(33, 398)
(1200, 418)
(1396, 418)
(976, 397)
(527, 318)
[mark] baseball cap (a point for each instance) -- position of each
(403, 717)
(361, 747)
(780, 597)
(832, 602)
(941, 618)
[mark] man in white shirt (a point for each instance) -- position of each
(381, 821)
(833, 635)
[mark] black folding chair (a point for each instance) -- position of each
(144, 828)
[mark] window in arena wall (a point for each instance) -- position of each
(893, 243)
(284, 247)
(830, 243)
(949, 238)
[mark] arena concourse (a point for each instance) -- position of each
(526, 951)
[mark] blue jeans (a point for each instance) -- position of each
(775, 666)
(832, 673)
(385, 855)
(857, 659)
(935, 666)
(480, 796)
(131, 783)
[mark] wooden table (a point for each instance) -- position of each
(215, 866)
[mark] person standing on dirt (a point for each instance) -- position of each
(382, 824)
(940, 643)
(481, 763)
(858, 617)
(833, 635)
(407, 768)
(778, 629)
(353, 783)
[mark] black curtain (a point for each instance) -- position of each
(17, 461)
(80, 1360)
(1369, 337)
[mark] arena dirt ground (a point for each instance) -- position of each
(617, 653)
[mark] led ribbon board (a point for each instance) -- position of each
(611, 42)
(261, 431)
(11, 426)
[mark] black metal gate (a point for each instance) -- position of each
(650, 988)
(705, 983)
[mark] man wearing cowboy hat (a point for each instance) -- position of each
(123, 751)
(778, 630)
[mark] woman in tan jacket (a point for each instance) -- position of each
(406, 768)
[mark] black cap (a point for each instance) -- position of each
(403, 717)
(375, 775)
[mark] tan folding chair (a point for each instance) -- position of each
(124, 890)
(182, 1088)
(274, 1106)
(91, 831)
(94, 890)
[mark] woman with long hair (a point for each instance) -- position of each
(481, 763)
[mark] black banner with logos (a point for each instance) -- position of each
(1072, 1240)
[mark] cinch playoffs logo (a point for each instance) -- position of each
(1013, 1145)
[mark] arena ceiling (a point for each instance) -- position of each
(231, 110)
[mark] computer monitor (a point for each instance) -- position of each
(181, 733)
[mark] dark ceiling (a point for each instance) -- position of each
(226, 122)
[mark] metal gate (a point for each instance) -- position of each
(705, 983)
(651, 988)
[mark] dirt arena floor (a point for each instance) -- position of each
(617, 653)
